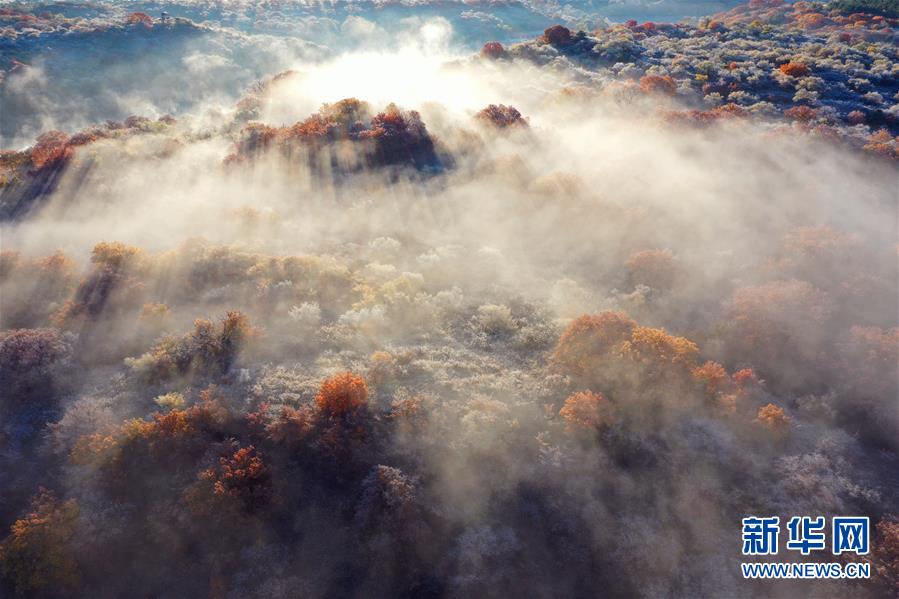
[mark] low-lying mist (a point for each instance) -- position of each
(417, 323)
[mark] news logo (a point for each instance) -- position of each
(805, 535)
(760, 535)
(851, 535)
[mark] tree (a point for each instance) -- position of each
(882, 142)
(243, 476)
(389, 500)
(713, 377)
(392, 137)
(32, 363)
(400, 137)
(170, 401)
(207, 350)
(235, 332)
(51, 150)
(794, 69)
(557, 35)
(781, 327)
(783, 300)
(774, 418)
(655, 268)
(588, 338)
(493, 50)
(38, 556)
(745, 378)
(292, 425)
(114, 254)
(501, 116)
(886, 555)
(867, 375)
(341, 394)
(133, 457)
(31, 352)
(341, 120)
(812, 20)
(658, 344)
(722, 389)
(658, 84)
(803, 114)
(254, 139)
(586, 409)
(609, 350)
(869, 361)
(140, 18)
(885, 8)
(657, 349)
(823, 243)
(390, 522)
(110, 284)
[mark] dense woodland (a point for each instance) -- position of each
(553, 344)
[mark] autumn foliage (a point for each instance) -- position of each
(501, 116)
(658, 84)
(586, 409)
(341, 120)
(341, 394)
(292, 425)
(52, 149)
(773, 417)
(557, 35)
(207, 350)
(401, 138)
(882, 143)
(110, 283)
(802, 114)
(132, 455)
(820, 243)
(243, 476)
(610, 350)
(493, 50)
(886, 554)
(445, 399)
(725, 391)
(140, 18)
(713, 377)
(655, 268)
(656, 347)
(33, 288)
(588, 338)
(38, 555)
(390, 137)
(704, 118)
(871, 356)
(794, 69)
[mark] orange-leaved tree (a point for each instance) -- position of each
(37, 556)
(586, 409)
(341, 394)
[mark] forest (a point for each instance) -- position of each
(419, 317)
